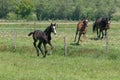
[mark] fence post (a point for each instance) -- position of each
(107, 42)
(15, 36)
(34, 25)
(65, 47)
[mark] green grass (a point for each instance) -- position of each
(87, 61)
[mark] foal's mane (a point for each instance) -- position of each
(47, 29)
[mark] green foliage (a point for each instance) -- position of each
(25, 8)
(60, 9)
(32, 17)
(76, 13)
(12, 16)
(116, 16)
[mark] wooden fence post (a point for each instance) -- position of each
(107, 47)
(15, 36)
(65, 47)
(34, 25)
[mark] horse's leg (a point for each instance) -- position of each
(45, 49)
(84, 36)
(39, 46)
(99, 33)
(76, 35)
(79, 37)
(102, 35)
(34, 43)
(105, 33)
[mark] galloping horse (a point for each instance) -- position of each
(100, 25)
(43, 37)
(82, 29)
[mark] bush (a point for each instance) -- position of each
(116, 16)
(11, 16)
(32, 17)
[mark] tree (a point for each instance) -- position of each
(25, 8)
(4, 7)
(76, 14)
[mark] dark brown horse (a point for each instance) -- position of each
(82, 29)
(43, 37)
(100, 25)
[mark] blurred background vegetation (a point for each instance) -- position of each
(59, 9)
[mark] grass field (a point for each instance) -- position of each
(87, 61)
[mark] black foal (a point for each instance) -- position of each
(43, 37)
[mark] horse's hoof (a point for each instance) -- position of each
(77, 44)
(101, 38)
(44, 56)
(37, 54)
(98, 38)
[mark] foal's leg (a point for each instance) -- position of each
(76, 35)
(39, 46)
(50, 46)
(34, 43)
(45, 49)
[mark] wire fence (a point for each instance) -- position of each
(14, 35)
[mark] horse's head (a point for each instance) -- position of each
(85, 21)
(53, 27)
(107, 22)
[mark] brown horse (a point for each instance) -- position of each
(43, 37)
(82, 29)
(100, 25)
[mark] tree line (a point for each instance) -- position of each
(59, 9)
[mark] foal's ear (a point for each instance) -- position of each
(51, 23)
(55, 23)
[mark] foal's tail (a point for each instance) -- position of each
(30, 33)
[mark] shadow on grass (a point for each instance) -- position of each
(74, 44)
(95, 39)
(84, 52)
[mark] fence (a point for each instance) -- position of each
(12, 36)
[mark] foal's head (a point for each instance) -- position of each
(53, 27)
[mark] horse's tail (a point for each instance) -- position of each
(94, 27)
(30, 33)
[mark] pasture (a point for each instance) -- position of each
(87, 61)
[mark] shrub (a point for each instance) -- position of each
(11, 16)
(32, 17)
(116, 16)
